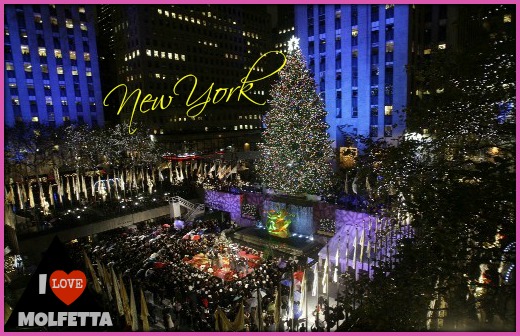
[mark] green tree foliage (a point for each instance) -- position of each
(296, 152)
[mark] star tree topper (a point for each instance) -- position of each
(294, 44)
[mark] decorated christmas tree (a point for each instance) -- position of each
(297, 152)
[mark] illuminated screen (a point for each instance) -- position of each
(278, 223)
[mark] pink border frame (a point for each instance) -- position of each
(3, 2)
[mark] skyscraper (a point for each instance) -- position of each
(51, 65)
(358, 54)
(155, 46)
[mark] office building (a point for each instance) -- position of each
(51, 65)
(157, 45)
(358, 54)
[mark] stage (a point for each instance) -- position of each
(293, 245)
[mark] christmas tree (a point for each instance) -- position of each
(297, 152)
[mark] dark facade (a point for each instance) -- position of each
(51, 65)
(155, 46)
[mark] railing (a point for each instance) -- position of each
(194, 209)
(199, 209)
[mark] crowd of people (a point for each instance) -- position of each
(182, 296)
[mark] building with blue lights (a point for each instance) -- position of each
(51, 65)
(358, 54)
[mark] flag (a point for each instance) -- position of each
(105, 278)
(10, 195)
(362, 244)
(144, 312)
(277, 305)
(354, 260)
(335, 277)
(325, 278)
(346, 252)
(238, 323)
(92, 188)
(259, 310)
(90, 268)
(133, 309)
(117, 293)
(21, 195)
(85, 193)
(354, 185)
(315, 280)
(161, 177)
(199, 171)
(303, 291)
(31, 196)
(126, 305)
(74, 187)
(42, 196)
(51, 196)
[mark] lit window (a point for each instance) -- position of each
(388, 109)
(54, 21)
(167, 13)
(507, 18)
(442, 46)
(176, 56)
(27, 67)
(64, 101)
(427, 51)
(15, 100)
(69, 24)
(241, 126)
(83, 26)
(155, 53)
(89, 73)
(389, 47)
(198, 21)
(137, 52)
(57, 53)
(159, 11)
(173, 15)
(86, 56)
(44, 68)
(81, 10)
(148, 52)
(163, 54)
(354, 32)
(59, 70)
(37, 19)
(389, 6)
(157, 75)
(74, 71)
(72, 55)
(192, 20)
(34, 119)
(170, 55)
(236, 128)
(25, 49)
(48, 100)
(180, 16)
(183, 57)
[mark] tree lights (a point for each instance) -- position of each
(296, 152)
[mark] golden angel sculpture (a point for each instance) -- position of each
(278, 223)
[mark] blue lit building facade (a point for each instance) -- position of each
(51, 65)
(358, 54)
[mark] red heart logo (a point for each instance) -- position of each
(68, 287)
